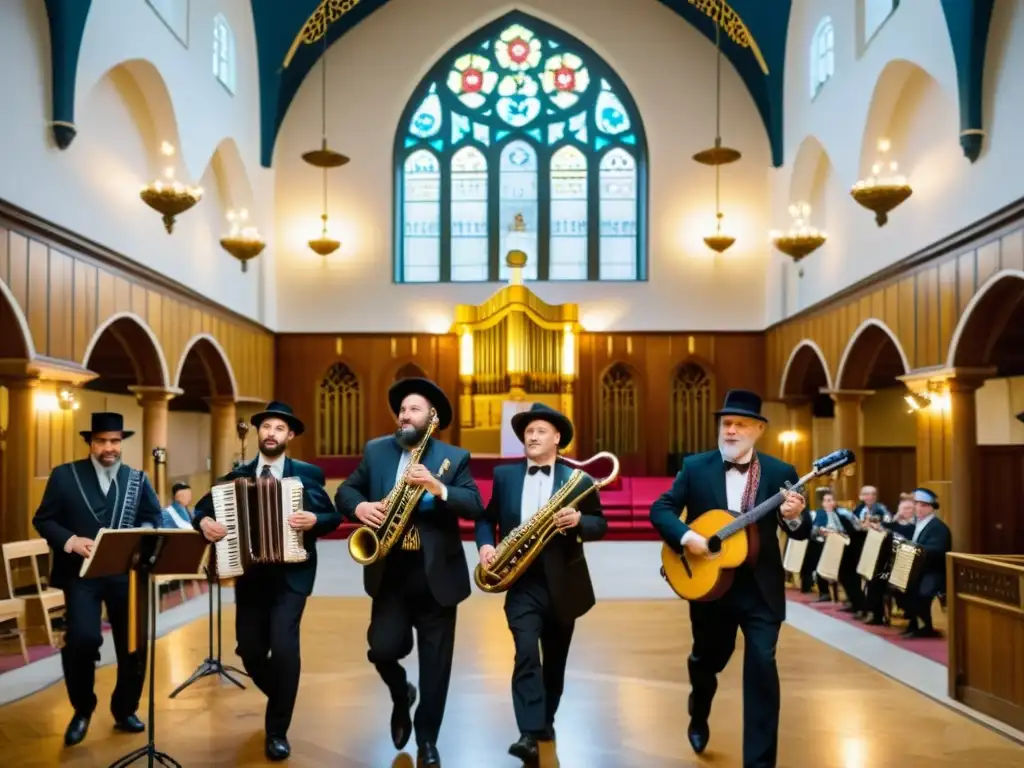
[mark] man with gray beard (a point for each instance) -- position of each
(735, 477)
(420, 583)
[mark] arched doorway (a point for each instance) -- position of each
(873, 361)
(17, 464)
(811, 411)
(991, 335)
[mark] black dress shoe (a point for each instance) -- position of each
(76, 731)
(277, 748)
(130, 724)
(698, 732)
(526, 749)
(428, 756)
(401, 718)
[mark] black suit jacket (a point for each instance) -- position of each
(437, 520)
(299, 576)
(700, 487)
(74, 505)
(565, 566)
(936, 540)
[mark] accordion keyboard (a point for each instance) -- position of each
(905, 558)
(228, 549)
(291, 500)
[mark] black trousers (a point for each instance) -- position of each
(83, 600)
(405, 603)
(874, 598)
(917, 604)
(267, 617)
(542, 650)
(714, 639)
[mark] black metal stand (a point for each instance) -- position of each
(144, 564)
(212, 664)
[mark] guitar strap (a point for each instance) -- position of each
(750, 489)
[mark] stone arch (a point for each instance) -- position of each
(211, 362)
(873, 350)
(14, 345)
(126, 337)
(805, 372)
(994, 309)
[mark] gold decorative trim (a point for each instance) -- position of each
(492, 311)
(328, 12)
(732, 25)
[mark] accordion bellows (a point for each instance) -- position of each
(255, 511)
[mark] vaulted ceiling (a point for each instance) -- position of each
(759, 62)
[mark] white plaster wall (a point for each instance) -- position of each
(139, 85)
(830, 141)
(669, 69)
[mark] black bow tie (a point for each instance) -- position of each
(546, 469)
(741, 468)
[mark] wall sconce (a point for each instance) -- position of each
(169, 197)
(934, 399)
(880, 193)
(801, 240)
(242, 242)
(917, 401)
(66, 400)
(789, 437)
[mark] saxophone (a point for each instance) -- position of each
(523, 545)
(366, 544)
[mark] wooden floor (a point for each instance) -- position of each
(624, 704)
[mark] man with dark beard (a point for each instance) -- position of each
(270, 598)
(81, 498)
(420, 583)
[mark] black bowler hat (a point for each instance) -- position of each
(1020, 417)
(106, 422)
(415, 385)
(541, 412)
(742, 402)
(278, 410)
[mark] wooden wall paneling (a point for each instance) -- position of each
(949, 312)
(988, 260)
(1012, 250)
(892, 470)
(1001, 489)
(5, 259)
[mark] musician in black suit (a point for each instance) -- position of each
(543, 604)
(874, 593)
(934, 537)
(271, 597)
(81, 498)
(737, 478)
(420, 583)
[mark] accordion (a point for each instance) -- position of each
(874, 557)
(832, 556)
(255, 511)
(907, 559)
(793, 561)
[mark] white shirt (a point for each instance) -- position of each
(403, 463)
(919, 526)
(276, 466)
(537, 489)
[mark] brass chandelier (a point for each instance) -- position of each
(882, 193)
(243, 242)
(802, 239)
(168, 196)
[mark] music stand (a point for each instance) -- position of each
(212, 664)
(143, 553)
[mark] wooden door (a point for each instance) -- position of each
(999, 520)
(891, 470)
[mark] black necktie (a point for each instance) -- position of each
(741, 468)
(266, 471)
(536, 468)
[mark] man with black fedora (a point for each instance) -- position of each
(736, 477)
(81, 498)
(420, 583)
(542, 606)
(271, 597)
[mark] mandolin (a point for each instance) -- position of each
(708, 578)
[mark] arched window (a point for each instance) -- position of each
(339, 413)
(823, 57)
(520, 119)
(618, 417)
(224, 53)
(691, 423)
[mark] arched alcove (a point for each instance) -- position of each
(125, 352)
(991, 329)
(340, 413)
(873, 359)
(16, 338)
(618, 411)
(204, 371)
(806, 372)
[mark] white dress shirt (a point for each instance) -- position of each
(403, 463)
(919, 526)
(276, 466)
(537, 489)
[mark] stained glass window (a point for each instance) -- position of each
(520, 119)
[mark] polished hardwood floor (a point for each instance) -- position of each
(624, 704)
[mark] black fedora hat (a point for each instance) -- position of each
(1020, 417)
(541, 412)
(742, 402)
(278, 410)
(106, 421)
(415, 385)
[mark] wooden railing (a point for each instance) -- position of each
(986, 634)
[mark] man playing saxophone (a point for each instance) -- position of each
(543, 603)
(422, 579)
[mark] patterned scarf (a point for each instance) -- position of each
(753, 480)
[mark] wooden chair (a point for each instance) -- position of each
(14, 610)
(50, 600)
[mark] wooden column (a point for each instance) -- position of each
(20, 457)
(800, 425)
(154, 402)
(223, 435)
(847, 435)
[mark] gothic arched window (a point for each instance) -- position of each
(520, 119)
(618, 416)
(339, 413)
